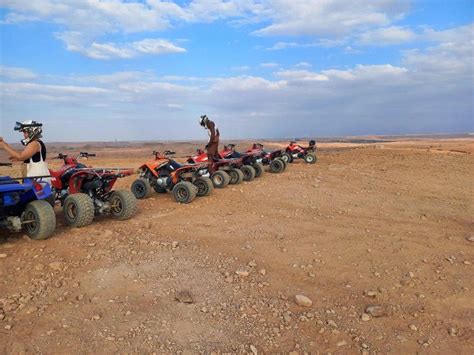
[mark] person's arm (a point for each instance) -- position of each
(28, 152)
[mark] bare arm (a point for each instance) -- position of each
(28, 152)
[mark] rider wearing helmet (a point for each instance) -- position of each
(34, 154)
(213, 143)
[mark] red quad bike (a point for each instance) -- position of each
(249, 159)
(164, 174)
(85, 192)
(225, 171)
(273, 159)
(296, 151)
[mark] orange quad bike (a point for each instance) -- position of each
(164, 174)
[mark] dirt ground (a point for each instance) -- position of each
(379, 236)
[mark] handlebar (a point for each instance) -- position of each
(80, 155)
(6, 164)
(165, 153)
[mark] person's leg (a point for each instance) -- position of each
(211, 155)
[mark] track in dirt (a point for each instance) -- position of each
(384, 224)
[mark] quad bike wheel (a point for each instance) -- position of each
(220, 179)
(78, 210)
(284, 163)
(39, 220)
(141, 188)
(236, 176)
(310, 158)
(204, 185)
(184, 192)
(249, 172)
(287, 158)
(259, 169)
(123, 204)
(277, 166)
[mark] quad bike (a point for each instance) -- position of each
(296, 151)
(249, 159)
(85, 192)
(165, 174)
(273, 159)
(23, 206)
(225, 171)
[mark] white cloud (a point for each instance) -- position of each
(240, 68)
(301, 75)
(387, 36)
(15, 73)
(76, 42)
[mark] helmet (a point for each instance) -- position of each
(203, 120)
(33, 128)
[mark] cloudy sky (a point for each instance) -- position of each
(141, 70)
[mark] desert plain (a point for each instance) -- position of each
(378, 235)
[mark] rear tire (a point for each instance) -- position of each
(141, 188)
(78, 210)
(310, 158)
(259, 169)
(220, 179)
(43, 220)
(287, 158)
(204, 185)
(249, 172)
(236, 176)
(184, 192)
(123, 205)
(277, 166)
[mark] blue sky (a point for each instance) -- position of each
(132, 70)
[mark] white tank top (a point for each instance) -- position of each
(37, 169)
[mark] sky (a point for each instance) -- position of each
(103, 70)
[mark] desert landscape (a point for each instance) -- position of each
(378, 236)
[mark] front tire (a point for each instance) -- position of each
(78, 210)
(184, 192)
(249, 172)
(277, 166)
(141, 188)
(259, 169)
(236, 176)
(284, 163)
(220, 179)
(287, 158)
(204, 185)
(123, 205)
(43, 220)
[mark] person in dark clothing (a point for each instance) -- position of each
(213, 144)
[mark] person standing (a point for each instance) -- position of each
(34, 154)
(213, 144)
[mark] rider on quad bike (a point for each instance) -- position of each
(34, 154)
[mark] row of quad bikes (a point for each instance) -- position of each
(85, 192)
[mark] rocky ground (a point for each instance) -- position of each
(368, 251)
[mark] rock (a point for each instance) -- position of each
(332, 323)
(39, 267)
(253, 349)
(375, 311)
(242, 273)
(175, 244)
(303, 301)
(3, 256)
(252, 263)
(262, 272)
(413, 327)
(56, 265)
(371, 294)
(470, 238)
(365, 317)
(96, 317)
(452, 331)
(204, 310)
(229, 279)
(8, 327)
(184, 297)
(342, 343)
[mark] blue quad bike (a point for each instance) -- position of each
(24, 205)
